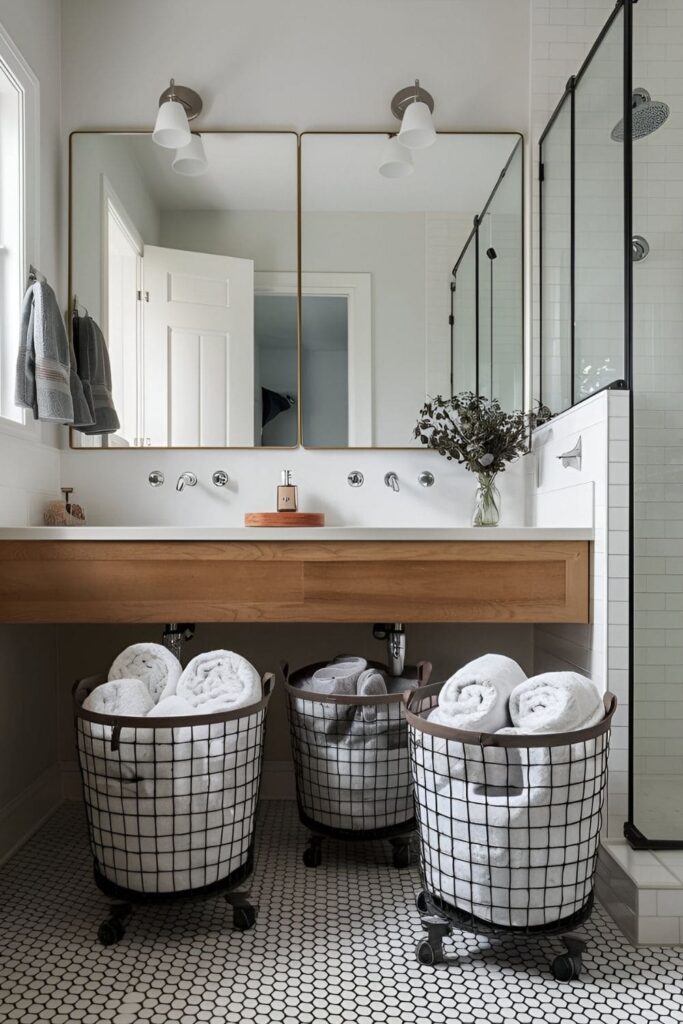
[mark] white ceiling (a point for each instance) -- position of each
(455, 175)
(247, 171)
(257, 171)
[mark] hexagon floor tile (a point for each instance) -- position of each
(334, 944)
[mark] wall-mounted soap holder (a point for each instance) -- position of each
(572, 458)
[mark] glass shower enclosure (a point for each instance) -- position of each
(611, 316)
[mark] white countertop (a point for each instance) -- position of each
(323, 533)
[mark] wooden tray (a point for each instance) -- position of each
(284, 519)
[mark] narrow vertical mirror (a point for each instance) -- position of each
(397, 304)
(190, 283)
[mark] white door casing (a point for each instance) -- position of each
(357, 289)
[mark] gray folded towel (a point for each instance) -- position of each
(43, 377)
(370, 684)
(95, 372)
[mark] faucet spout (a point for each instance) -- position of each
(391, 480)
(186, 479)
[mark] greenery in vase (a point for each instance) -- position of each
(474, 431)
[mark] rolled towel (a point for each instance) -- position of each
(118, 698)
(477, 696)
(341, 676)
(156, 666)
(371, 684)
(556, 702)
(219, 681)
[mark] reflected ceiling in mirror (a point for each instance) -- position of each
(400, 300)
(191, 282)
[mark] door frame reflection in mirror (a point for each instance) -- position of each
(520, 144)
(295, 273)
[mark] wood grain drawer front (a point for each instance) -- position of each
(151, 581)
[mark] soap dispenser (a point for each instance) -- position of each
(286, 493)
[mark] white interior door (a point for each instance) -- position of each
(198, 348)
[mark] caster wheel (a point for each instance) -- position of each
(566, 968)
(426, 954)
(110, 931)
(243, 917)
(403, 856)
(313, 856)
(421, 903)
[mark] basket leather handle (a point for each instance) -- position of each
(268, 684)
(284, 671)
(424, 672)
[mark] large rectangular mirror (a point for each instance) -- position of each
(192, 283)
(401, 297)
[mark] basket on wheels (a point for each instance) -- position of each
(509, 829)
(170, 803)
(351, 764)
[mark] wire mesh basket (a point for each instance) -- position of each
(170, 802)
(351, 763)
(509, 828)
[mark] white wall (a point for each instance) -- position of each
(29, 474)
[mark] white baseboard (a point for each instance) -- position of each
(277, 782)
(24, 815)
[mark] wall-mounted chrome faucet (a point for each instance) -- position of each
(186, 479)
(391, 480)
(572, 458)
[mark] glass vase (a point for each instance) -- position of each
(487, 501)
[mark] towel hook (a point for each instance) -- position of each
(77, 304)
(35, 275)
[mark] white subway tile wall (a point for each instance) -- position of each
(599, 649)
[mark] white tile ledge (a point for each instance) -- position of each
(325, 533)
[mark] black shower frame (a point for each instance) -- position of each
(474, 237)
(622, 8)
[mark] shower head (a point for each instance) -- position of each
(647, 115)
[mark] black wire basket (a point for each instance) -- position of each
(509, 828)
(170, 803)
(351, 764)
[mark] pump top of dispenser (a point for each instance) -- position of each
(286, 478)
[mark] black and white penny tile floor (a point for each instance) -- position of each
(334, 944)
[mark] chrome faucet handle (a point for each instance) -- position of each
(391, 480)
(187, 478)
(155, 478)
(426, 478)
(220, 478)
(355, 478)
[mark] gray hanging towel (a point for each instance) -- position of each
(94, 370)
(43, 377)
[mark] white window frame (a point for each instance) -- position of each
(28, 89)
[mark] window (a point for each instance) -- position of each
(18, 207)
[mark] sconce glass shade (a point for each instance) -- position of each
(171, 130)
(397, 161)
(417, 128)
(191, 159)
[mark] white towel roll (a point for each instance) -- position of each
(556, 702)
(156, 666)
(219, 681)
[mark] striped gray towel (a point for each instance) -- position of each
(43, 379)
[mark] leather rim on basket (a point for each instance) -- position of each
(493, 739)
(424, 671)
(82, 687)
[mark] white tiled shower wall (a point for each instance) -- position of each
(599, 649)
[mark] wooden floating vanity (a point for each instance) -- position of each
(213, 579)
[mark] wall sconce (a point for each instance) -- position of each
(177, 106)
(397, 161)
(414, 107)
(191, 159)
